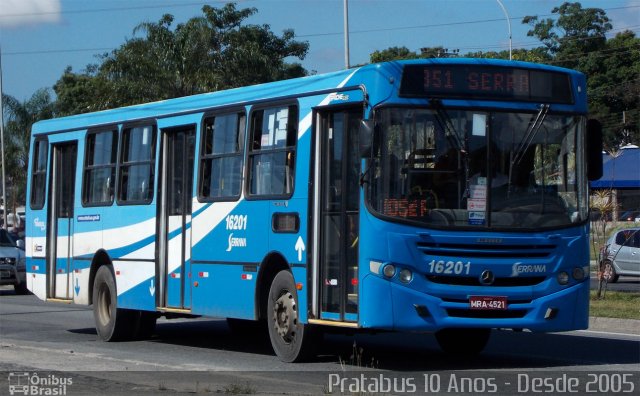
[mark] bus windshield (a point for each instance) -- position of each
(467, 168)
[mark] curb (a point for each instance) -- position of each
(612, 325)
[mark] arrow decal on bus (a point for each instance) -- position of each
(300, 247)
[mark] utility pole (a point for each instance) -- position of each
(346, 34)
(4, 186)
(506, 14)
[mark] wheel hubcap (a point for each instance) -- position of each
(285, 316)
(104, 305)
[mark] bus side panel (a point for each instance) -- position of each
(230, 241)
(293, 245)
(134, 276)
(130, 241)
(36, 240)
(87, 241)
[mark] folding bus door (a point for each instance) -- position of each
(62, 183)
(178, 145)
(338, 211)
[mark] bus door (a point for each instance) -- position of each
(339, 207)
(62, 183)
(174, 269)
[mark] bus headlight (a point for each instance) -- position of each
(563, 278)
(405, 275)
(389, 270)
(578, 274)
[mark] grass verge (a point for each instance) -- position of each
(621, 305)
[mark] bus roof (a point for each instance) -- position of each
(261, 92)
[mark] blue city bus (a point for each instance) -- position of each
(435, 195)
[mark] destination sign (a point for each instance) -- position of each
(486, 82)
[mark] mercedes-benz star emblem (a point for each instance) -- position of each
(487, 277)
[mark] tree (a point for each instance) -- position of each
(536, 55)
(576, 31)
(577, 39)
(402, 53)
(207, 53)
(392, 53)
(614, 88)
(19, 117)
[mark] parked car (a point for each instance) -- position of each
(621, 254)
(12, 263)
(630, 215)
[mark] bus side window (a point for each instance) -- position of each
(221, 156)
(272, 156)
(39, 174)
(137, 162)
(99, 168)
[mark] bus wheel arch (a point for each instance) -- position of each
(272, 264)
(99, 259)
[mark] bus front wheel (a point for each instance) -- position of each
(112, 323)
(467, 342)
(291, 340)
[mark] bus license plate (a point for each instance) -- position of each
(488, 302)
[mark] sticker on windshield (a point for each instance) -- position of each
(476, 218)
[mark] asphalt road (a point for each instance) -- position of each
(58, 344)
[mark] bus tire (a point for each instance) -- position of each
(112, 323)
(291, 340)
(465, 342)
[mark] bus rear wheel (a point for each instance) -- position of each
(465, 342)
(112, 323)
(291, 340)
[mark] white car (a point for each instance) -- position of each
(622, 254)
(12, 263)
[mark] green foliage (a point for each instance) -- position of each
(622, 305)
(18, 119)
(577, 39)
(207, 53)
(575, 32)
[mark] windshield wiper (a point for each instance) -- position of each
(526, 141)
(451, 134)
(447, 125)
(531, 133)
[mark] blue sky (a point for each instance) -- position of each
(40, 38)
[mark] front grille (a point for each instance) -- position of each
(474, 281)
(497, 251)
(8, 260)
(486, 314)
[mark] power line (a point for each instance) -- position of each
(521, 45)
(110, 9)
(437, 24)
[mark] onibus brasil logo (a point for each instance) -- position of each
(23, 383)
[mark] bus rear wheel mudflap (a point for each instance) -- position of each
(291, 340)
(463, 341)
(112, 323)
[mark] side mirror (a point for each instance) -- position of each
(594, 150)
(20, 244)
(365, 137)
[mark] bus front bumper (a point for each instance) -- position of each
(404, 309)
